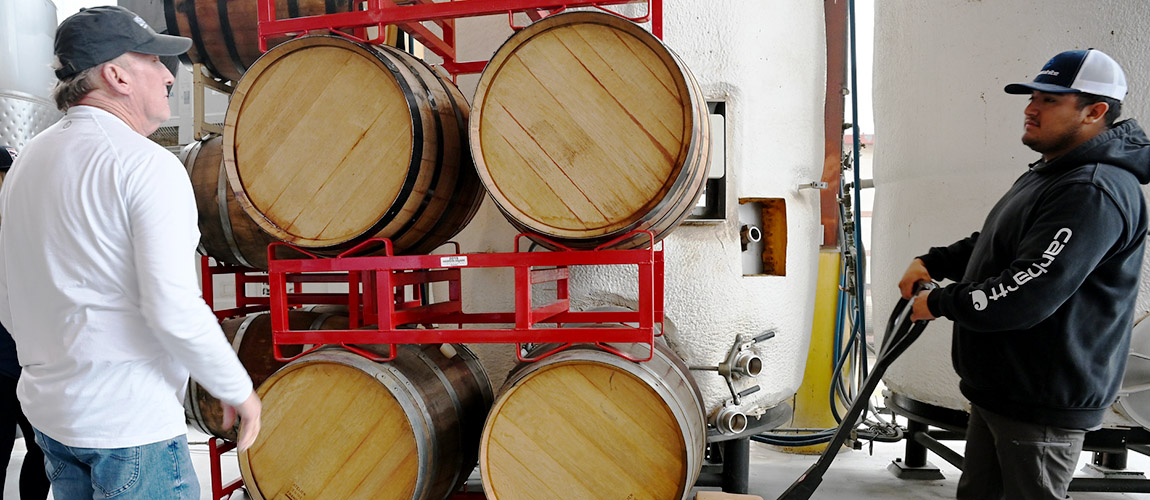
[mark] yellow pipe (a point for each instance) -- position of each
(811, 403)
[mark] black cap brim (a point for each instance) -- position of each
(165, 45)
(1026, 88)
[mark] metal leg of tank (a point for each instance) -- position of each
(1107, 468)
(736, 465)
(920, 438)
(1106, 461)
(915, 466)
(728, 466)
(1107, 471)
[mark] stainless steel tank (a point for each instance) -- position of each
(27, 28)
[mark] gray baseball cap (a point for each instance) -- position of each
(99, 34)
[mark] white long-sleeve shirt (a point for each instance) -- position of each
(99, 289)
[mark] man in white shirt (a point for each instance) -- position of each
(97, 277)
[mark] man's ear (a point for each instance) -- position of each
(1096, 112)
(115, 77)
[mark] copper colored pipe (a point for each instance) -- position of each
(833, 110)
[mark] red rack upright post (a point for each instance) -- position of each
(216, 449)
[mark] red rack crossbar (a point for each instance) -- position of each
(377, 296)
(246, 303)
(409, 15)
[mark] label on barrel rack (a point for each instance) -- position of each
(453, 261)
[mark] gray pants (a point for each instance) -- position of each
(1008, 459)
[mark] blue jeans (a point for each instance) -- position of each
(157, 471)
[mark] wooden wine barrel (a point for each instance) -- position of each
(585, 127)
(251, 337)
(464, 200)
(336, 425)
(227, 233)
(588, 424)
(224, 34)
(328, 142)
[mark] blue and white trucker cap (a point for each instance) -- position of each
(1090, 71)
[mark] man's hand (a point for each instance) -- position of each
(249, 413)
(915, 273)
(920, 312)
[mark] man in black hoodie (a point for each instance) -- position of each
(1043, 296)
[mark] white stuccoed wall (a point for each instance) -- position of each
(950, 135)
(766, 59)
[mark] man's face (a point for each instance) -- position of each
(1053, 123)
(150, 90)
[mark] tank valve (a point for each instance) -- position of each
(728, 420)
(741, 361)
(747, 364)
(750, 234)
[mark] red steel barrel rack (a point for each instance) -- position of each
(384, 291)
(385, 294)
(377, 284)
(383, 297)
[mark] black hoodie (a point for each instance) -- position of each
(1044, 296)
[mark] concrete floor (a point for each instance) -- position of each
(858, 475)
(854, 475)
